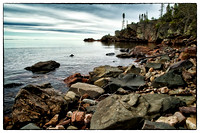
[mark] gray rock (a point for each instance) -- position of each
(148, 125)
(189, 100)
(129, 111)
(164, 58)
(81, 88)
(132, 69)
(30, 126)
(37, 104)
(155, 66)
(91, 109)
(170, 79)
(102, 82)
(43, 67)
(180, 65)
(127, 82)
(89, 101)
(104, 71)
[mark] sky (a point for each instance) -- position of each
(69, 21)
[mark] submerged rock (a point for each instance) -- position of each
(43, 67)
(82, 88)
(129, 111)
(38, 104)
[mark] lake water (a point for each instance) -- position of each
(18, 55)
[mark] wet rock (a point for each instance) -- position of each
(188, 110)
(89, 101)
(189, 100)
(124, 50)
(191, 123)
(11, 85)
(31, 126)
(53, 121)
(110, 54)
(89, 40)
(82, 88)
(149, 125)
(132, 69)
(185, 64)
(170, 79)
(43, 67)
(77, 77)
(127, 82)
(164, 90)
(71, 97)
(102, 82)
(171, 120)
(181, 118)
(88, 118)
(78, 117)
(123, 55)
(71, 55)
(37, 104)
(155, 66)
(72, 128)
(104, 71)
(129, 111)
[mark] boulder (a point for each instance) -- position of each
(149, 125)
(104, 71)
(38, 104)
(129, 111)
(30, 126)
(77, 77)
(81, 88)
(127, 82)
(155, 66)
(170, 79)
(43, 67)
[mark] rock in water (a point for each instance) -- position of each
(170, 79)
(43, 67)
(110, 54)
(129, 111)
(82, 88)
(38, 104)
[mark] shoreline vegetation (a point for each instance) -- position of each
(158, 93)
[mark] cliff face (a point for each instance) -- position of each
(152, 31)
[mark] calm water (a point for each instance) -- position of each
(87, 56)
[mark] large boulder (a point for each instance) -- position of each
(104, 71)
(130, 111)
(128, 82)
(43, 67)
(92, 90)
(37, 104)
(170, 79)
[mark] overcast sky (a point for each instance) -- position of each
(70, 21)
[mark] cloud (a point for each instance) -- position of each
(73, 20)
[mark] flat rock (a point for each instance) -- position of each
(127, 82)
(104, 71)
(155, 66)
(38, 104)
(43, 67)
(129, 111)
(82, 88)
(31, 126)
(170, 79)
(188, 110)
(149, 125)
(72, 128)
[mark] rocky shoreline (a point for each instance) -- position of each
(157, 93)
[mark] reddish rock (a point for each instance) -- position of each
(88, 118)
(78, 117)
(77, 77)
(139, 51)
(53, 121)
(188, 53)
(64, 122)
(85, 96)
(188, 110)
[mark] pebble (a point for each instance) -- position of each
(89, 101)
(191, 123)
(171, 120)
(164, 90)
(151, 69)
(69, 114)
(152, 78)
